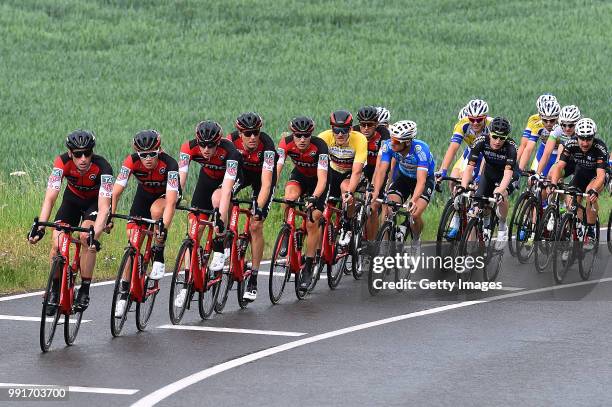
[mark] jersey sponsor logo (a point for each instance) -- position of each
(268, 162)
(123, 176)
(106, 186)
(92, 177)
(280, 152)
(184, 159)
(231, 169)
(162, 170)
(55, 179)
(173, 181)
(323, 162)
(313, 153)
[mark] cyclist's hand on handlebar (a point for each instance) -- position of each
(440, 174)
(459, 189)
(347, 198)
(412, 207)
(499, 197)
(109, 226)
(36, 235)
(593, 195)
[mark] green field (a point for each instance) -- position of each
(118, 66)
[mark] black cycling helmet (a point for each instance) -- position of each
(208, 131)
(302, 125)
(249, 121)
(147, 140)
(81, 140)
(341, 118)
(501, 126)
(368, 114)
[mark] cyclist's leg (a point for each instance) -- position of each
(88, 255)
(421, 205)
(373, 221)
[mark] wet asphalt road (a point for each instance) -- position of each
(470, 348)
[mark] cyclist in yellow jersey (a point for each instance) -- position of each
(539, 127)
(544, 98)
(348, 153)
(475, 123)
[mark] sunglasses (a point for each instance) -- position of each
(301, 135)
(496, 136)
(251, 133)
(210, 144)
(367, 124)
(397, 142)
(585, 138)
(568, 125)
(476, 119)
(549, 120)
(79, 154)
(341, 130)
(148, 154)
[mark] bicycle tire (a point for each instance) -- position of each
(587, 257)
(544, 240)
(226, 284)
(609, 232)
(472, 227)
(385, 231)
(356, 250)
(527, 226)
(335, 271)
(279, 279)
(71, 329)
(445, 219)
(116, 324)
(207, 299)
(318, 264)
(177, 314)
(48, 323)
(517, 208)
(564, 234)
(242, 285)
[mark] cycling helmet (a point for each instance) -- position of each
(367, 114)
(147, 140)
(546, 97)
(383, 115)
(301, 125)
(463, 113)
(569, 114)
(477, 108)
(341, 118)
(586, 128)
(549, 110)
(81, 140)
(208, 131)
(249, 121)
(403, 130)
(501, 126)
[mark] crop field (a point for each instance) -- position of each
(119, 66)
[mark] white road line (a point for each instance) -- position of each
(231, 330)
(172, 388)
(79, 389)
(33, 319)
(507, 288)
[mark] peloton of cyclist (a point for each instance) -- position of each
(532, 122)
(540, 129)
(87, 199)
(309, 178)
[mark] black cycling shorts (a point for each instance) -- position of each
(74, 209)
(202, 196)
(334, 179)
(142, 203)
(582, 178)
(404, 187)
(486, 186)
(253, 179)
(307, 187)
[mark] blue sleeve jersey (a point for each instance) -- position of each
(419, 158)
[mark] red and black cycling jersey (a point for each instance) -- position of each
(307, 161)
(156, 181)
(224, 163)
(374, 142)
(595, 157)
(264, 156)
(96, 181)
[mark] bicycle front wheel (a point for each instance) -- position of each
(525, 231)
(50, 309)
(245, 259)
(513, 225)
(280, 269)
(545, 238)
(564, 248)
(208, 298)
(72, 323)
(116, 323)
(384, 240)
(182, 283)
(340, 256)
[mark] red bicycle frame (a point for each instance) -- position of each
(198, 274)
(328, 244)
(237, 261)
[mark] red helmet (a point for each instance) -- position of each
(341, 118)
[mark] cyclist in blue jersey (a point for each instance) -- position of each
(414, 165)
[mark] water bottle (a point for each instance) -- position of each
(400, 233)
(580, 230)
(550, 225)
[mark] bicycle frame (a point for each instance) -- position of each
(294, 255)
(197, 274)
(237, 261)
(66, 298)
(137, 282)
(327, 245)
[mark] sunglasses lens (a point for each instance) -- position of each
(340, 130)
(475, 119)
(251, 133)
(148, 154)
(79, 154)
(301, 135)
(568, 125)
(367, 124)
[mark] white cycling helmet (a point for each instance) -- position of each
(383, 115)
(546, 97)
(569, 114)
(403, 130)
(549, 110)
(586, 128)
(477, 108)
(463, 113)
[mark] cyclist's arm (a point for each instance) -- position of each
(420, 185)
(104, 201)
(117, 191)
(172, 184)
(548, 149)
(184, 159)
(450, 154)
(507, 178)
(48, 203)
(120, 184)
(475, 153)
(556, 171)
(229, 179)
(466, 177)
(355, 176)
(322, 173)
(382, 167)
(526, 154)
(266, 177)
(599, 180)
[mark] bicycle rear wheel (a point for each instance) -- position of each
(182, 279)
(208, 298)
(48, 323)
(337, 268)
(513, 220)
(279, 266)
(587, 256)
(444, 243)
(226, 284)
(245, 257)
(72, 322)
(545, 238)
(384, 240)
(145, 308)
(472, 245)
(116, 324)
